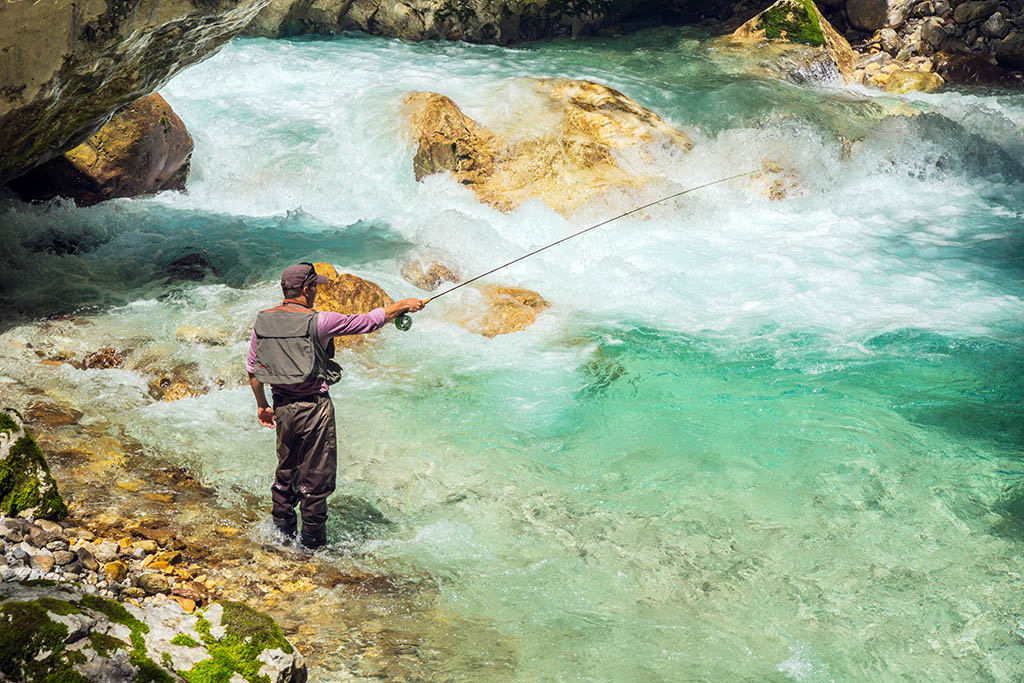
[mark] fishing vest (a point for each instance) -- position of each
(288, 350)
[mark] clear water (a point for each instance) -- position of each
(751, 439)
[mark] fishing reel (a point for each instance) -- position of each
(403, 322)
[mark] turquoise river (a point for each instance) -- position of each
(751, 439)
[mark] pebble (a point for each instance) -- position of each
(63, 557)
(59, 544)
(19, 553)
(8, 574)
(49, 527)
(88, 560)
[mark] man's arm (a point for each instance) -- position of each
(264, 411)
(404, 306)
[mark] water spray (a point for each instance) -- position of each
(404, 320)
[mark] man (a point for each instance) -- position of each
(291, 348)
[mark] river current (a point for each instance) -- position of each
(750, 440)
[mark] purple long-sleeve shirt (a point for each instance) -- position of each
(328, 325)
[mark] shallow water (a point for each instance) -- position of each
(751, 439)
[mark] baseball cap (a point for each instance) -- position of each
(301, 275)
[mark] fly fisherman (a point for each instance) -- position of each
(291, 350)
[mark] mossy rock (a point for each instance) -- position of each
(32, 645)
(237, 636)
(795, 21)
(26, 485)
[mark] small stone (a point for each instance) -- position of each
(995, 26)
(88, 559)
(933, 32)
(13, 536)
(169, 556)
(50, 527)
(137, 553)
(165, 498)
(153, 583)
(160, 566)
(8, 574)
(19, 553)
(186, 604)
(83, 534)
(147, 545)
(968, 12)
(105, 551)
(161, 536)
(133, 592)
(41, 562)
(115, 571)
(124, 543)
(872, 68)
(64, 557)
(38, 537)
(59, 544)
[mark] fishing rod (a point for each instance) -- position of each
(404, 321)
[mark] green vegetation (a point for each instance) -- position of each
(795, 21)
(185, 639)
(21, 474)
(247, 633)
(148, 671)
(104, 644)
(26, 633)
(58, 606)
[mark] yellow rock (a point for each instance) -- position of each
(167, 498)
(124, 543)
(907, 81)
(180, 390)
(147, 545)
(160, 566)
(169, 556)
(186, 604)
(501, 310)
(428, 277)
(348, 294)
(229, 531)
(115, 571)
(566, 165)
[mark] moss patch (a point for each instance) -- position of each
(58, 606)
(26, 632)
(25, 479)
(247, 633)
(147, 671)
(185, 640)
(105, 644)
(795, 21)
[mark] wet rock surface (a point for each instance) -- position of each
(499, 310)
(67, 72)
(574, 160)
(142, 150)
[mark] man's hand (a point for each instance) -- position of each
(404, 306)
(265, 416)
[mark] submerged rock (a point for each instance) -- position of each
(428, 276)
(570, 163)
(500, 310)
(803, 45)
(66, 71)
(907, 81)
(26, 486)
(143, 149)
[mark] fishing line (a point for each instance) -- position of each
(404, 321)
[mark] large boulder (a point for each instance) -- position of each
(59, 632)
(901, 82)
(143, 149)
(478, 21)
(348, 294)
(798, 42)
(871, 15)
(66, 69)
(26, 486)
(571, 162)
